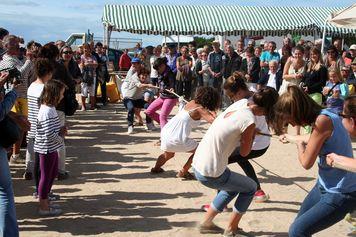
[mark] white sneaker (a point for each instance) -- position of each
(130, 130)
(150, 127)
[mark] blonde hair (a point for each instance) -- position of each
(336, 70)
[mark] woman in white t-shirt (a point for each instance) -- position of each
(237, 90)
(235, 125)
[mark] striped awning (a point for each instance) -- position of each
(219, 20)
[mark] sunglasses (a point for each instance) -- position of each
(67, 52)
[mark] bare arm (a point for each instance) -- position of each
(307, 153)
(341, 162)
(286, 76)
(207, 115)
(247, 138)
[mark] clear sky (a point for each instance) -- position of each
(50, 20)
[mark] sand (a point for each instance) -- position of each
(110, 191)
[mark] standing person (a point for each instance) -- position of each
(333, 59)
(172, 59)
(51, 52)
(232, 62)
(202, 69)
(216, 66)
(175, 135)
(44, 71)
(125, 61)
(240, 48)
(293, 71)
(133, 96)
(8, 221)
(250, 67)
(269, 55)
(88, 65)
(10, 60)
(315, 76)
(334, 194)
(102, 73)
(335, 91)
(48, 139)
(184, 74)
(234, 125)
(154, 74)
(166, 101)
(286, 53)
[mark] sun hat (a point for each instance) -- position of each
(353, 47)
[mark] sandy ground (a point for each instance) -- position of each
(111, 192)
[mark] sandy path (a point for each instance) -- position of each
(111, 193)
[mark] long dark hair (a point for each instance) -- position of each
(51, 92)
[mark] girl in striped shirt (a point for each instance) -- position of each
(48, 139)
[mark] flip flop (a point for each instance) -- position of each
(186, 176)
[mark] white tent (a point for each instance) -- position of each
(345, 18)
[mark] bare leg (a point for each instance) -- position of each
(234, 222)
(92, 102)
(162, 159)
(83, 103)
(209, 217)
(17, 146)
(187, 165)
(138, 115)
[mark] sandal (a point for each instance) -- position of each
(157, 171)
(158, 143)
(186, 176)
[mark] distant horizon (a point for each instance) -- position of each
(45, 21)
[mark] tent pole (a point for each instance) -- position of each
(178, 43)
(324, 33)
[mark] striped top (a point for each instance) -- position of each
(26, 70)
(221, 20)
(47, 137)
(33, 96)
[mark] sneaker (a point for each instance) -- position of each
(260, 196)
(150, 127)
(15, 159)
(130, 130)
(63, 175)
(53, 197)
(206, 207)
(35, 195)
(27, 175)
(50, 212)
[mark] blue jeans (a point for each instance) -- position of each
(320, 210)
(8, 222)
(130, 105)
(231, 184)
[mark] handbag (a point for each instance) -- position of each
(10, 132)
(70, 103)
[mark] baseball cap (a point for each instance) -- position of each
(135, 60)
(353, 47)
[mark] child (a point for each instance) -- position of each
(335, 91)
(133, 95)
(175, 135)
(48, 139)
(43, 69)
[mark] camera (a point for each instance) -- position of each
(14, 76)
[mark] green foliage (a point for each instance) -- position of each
(201, 41)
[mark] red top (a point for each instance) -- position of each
(125, 62)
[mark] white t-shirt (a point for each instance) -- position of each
(260, 142)
(272, 80)
(33, 96)
(154, 73)
(211, 156)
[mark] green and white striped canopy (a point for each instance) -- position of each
(219, 20)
